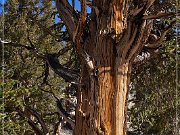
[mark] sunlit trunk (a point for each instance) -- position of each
(113, 43)
(102, 101)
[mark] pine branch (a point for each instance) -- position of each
(39, 118)
(30, 48)
(30, 122)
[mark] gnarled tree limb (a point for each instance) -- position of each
(159, 15)
(68, 16)
(145, 29)
(160, 40)
(81, 24)
(64, 72)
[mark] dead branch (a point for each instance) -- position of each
(30, 48)
(81, 24)
(138, 63)
(64, 72)
(68, 15)
(64, 114)
(159, 15)
(56, 126)
(16, 45)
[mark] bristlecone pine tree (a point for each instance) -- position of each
(115, 36)
(107, 42)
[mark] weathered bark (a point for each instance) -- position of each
(102, 99)
(114, 41)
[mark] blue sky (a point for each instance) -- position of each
(2, 2)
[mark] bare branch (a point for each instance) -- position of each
(138, 40)
(151, 56)
(127, 47)
(68, 15)
(57, 126)
(30, 122)
(136, 11)
(73, 4)
(140, 11)
(148, 4)
(16, 45)
(141, 39)
(159, 15)
(81, 25)
(64, 72)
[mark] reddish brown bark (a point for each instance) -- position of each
(114, 41)
(102, 99)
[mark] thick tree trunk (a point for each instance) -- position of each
(114, 42)
(102, 100)
(102, 106)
